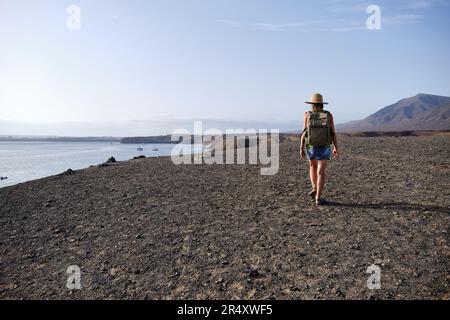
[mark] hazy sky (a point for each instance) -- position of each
(230, 60)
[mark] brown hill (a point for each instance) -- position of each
(421, 112)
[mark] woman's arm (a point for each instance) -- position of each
(303, 136)
(334, 137)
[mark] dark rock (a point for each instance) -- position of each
(254, 273)
(339, 292)
(48, 203)
(111, 160)
(175, 275)
(69, 172)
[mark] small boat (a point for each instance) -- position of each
(139, 149)
(155, 149)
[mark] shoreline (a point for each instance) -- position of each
(103, 164)
(78, 161)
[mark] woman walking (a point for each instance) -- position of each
(321, 142)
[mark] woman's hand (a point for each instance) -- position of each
(302, 153)
(335, 152)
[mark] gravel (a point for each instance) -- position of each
(147, 229)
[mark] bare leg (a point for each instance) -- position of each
(321, 166)
(313, 173)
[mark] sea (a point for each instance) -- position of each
(25, 161)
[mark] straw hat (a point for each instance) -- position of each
(316, 99)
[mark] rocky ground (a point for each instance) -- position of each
(147, 229)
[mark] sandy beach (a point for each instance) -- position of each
(147, 229)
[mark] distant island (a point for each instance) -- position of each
(150, 139)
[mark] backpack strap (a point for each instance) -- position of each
(307, 119)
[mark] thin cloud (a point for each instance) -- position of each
(358, 6)
(360, 27)
(386, 21)
(113, 18)
(411, 16)
(271, 26)
(401, 12)
(419, 4)
(230, 23)
(347, 6)
(283, 26)
(402, 19)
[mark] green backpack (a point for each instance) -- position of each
(318, 132)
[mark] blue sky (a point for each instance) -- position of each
(228, 60)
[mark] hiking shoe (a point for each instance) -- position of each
(313, 193)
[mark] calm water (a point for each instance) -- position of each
(24, 161)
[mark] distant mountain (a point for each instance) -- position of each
(421, 112)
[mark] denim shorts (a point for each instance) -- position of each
(319, 153)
